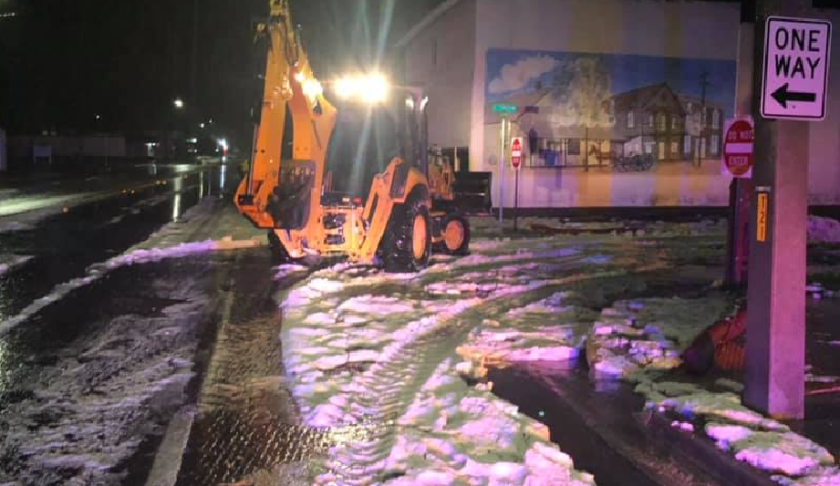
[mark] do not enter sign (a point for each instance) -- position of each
(738, 148)
(516, 152)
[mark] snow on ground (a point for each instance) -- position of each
(452, 432)
(545, 330)
(98, 270)
(637, 340)
(83, 408)
(8, 262)
(749, 436)
(365, 348)
(650, 334)
(640, 340)
(16, 225)
(823, 230)
(176, 240)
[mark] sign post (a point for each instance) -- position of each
(793, 55)
(516, 163)
(740, 190)
(738, 162)
(503, 112)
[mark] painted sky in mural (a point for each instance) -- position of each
(512, 72)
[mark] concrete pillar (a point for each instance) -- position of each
(775, 371)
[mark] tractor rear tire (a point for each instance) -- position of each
(456, 235)
(407, 246)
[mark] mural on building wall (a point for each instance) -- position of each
(613, 112)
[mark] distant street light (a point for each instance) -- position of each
(223, 145)
(201, 126)
(372, 88)
(179, 103)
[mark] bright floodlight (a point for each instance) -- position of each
(312, 88)
(179, 103)
(368, 88)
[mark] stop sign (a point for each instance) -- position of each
(516, 152)
(738, 148)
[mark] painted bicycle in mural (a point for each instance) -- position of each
(633, 163)
(621, 162)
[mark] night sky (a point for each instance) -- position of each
(62, 62)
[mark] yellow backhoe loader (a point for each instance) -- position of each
(404, 216)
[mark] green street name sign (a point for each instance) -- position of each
(501, 109)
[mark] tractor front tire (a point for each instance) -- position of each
(408, 239)
(456, 235)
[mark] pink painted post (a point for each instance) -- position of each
(738, 242)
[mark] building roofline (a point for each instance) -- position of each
(430, 18)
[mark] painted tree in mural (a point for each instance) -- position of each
(581, 88)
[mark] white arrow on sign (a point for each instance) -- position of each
(796, 65)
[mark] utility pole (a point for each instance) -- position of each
(704, 84)
(504, 132)
(775, 368)
(194, 56)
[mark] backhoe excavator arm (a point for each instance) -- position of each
(276, 193)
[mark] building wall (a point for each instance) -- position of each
(689, 30)
(824, 146)
(686, 29)
(92, 146)
(441, 58)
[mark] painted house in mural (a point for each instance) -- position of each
(671, 126)
(596, 84)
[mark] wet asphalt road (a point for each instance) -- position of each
(64, 245)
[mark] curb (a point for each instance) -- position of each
(703, 454)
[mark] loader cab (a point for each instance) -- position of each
(412, 126)
(366, 139)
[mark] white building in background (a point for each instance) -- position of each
(42, 147)
(626, 99)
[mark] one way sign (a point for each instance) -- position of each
(796, 65)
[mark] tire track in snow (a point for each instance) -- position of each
(386, 390)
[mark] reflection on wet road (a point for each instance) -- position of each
(597, 425)
(65, 244)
